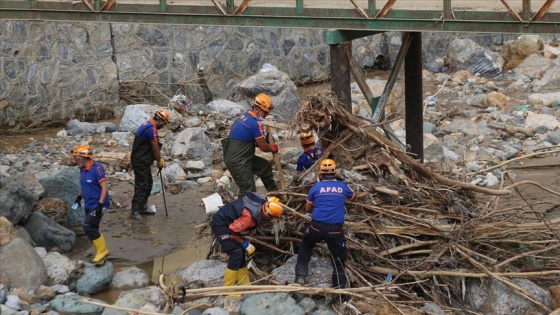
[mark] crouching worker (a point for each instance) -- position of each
(95, 193)
(234, 219)
(311, 153)
(326, 201)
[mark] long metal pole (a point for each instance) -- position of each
(163, 191)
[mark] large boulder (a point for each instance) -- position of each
(135, 115)
(65, 186)
(22, 265)
(49, 234)
(494, 297)
(17, 201)
(274, 83)
(468, 55)
(192, 143)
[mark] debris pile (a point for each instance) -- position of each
(413, 233)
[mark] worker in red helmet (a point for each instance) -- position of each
(239, 148)
(311, 152)
(95, 193)
(235, 219)
(145, 150)
(326, 202)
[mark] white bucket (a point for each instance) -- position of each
(212, 203)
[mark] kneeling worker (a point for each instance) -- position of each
(233, 220)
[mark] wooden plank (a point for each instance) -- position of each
(277, 160)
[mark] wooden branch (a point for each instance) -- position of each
(515, 159)
(264, 244)
(421, 168)
(460, 273)
(277, 161)
(387, 191)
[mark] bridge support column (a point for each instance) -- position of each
(340, 72)
(413, 97)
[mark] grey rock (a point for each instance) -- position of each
(22, 265)
(210, 272)
(270, 303)
(320, 271)
(95, 279)
(130, 279)
(65, 185)
(59, 268)
(70, 303)
(493, 297)
(17, 201)
(137, 299)
(47, 233)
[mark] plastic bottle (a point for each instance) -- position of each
(75, 206)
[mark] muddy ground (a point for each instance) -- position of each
(166, 241)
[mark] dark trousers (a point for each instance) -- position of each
(333, 235)
(233, 249)
(242, 163)
(91, 224)
(142, 185)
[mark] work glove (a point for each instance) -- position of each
(77, 202)
(99, 210)
(248, 247)
(274, 148)
(161, 163)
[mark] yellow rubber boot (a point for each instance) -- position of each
(243, 277)
(230, 277)
(101, 252)
(231, 302)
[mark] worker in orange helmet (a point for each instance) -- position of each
(311, 152)
(95, 193)
(326, 202)
(235, 219)
(247, 133)
(145, 150)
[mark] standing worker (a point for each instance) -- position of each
(239, 148)
(238, 218)
(95, 192)
(311, 153)
(145, 150)
(326, 201)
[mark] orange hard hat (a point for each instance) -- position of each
(272, 208)
(328, 166)
(163, 115)
(82, 150)
(263, 102)
(306, 138)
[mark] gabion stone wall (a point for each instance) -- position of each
(55, 71)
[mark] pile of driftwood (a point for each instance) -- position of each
(429, 231)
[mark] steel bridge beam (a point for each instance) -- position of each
(548, 21)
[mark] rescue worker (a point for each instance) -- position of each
(95, 192)
(145, 150)
(239, 148)
(326, 202)
(235, 219)
(311, 153)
